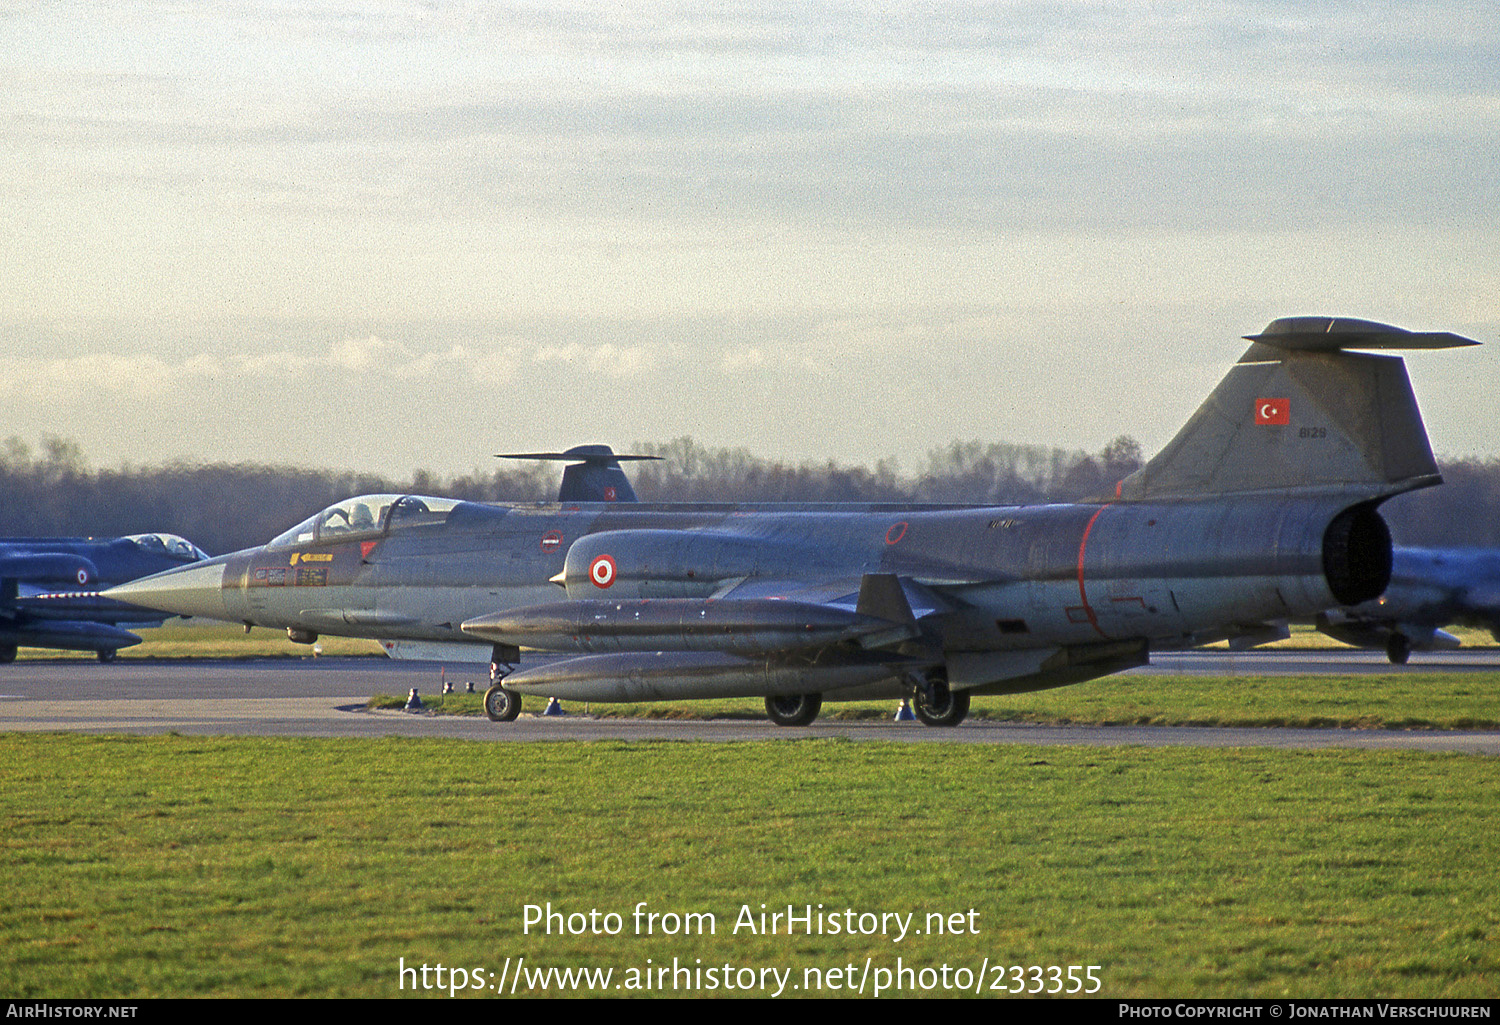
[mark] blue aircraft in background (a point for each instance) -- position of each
(1430, 588)
(49, 590)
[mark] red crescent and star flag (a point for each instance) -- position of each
(1273, 411)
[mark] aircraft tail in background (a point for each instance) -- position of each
(594, 476)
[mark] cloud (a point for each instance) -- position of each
(148, 376)
(73, 381)
(1002, 116)
(755, 205)
(626, 361)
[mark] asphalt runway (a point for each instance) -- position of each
(325, 697)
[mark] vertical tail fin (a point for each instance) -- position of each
(1299, 412)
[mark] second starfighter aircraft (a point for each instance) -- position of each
(1262, 508)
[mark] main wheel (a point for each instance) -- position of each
(1398, 649)
(501, 705)
(945, 708)
(106, 654)
(793, 709)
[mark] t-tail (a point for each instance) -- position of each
(594, 476)
(1300, 413)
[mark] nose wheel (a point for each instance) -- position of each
(501, 705)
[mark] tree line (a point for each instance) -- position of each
(222, 507)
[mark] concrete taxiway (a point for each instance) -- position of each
(326, 698)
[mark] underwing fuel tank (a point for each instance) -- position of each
(668, 675)
(686, 624)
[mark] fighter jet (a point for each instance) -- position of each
(1430, 588)
(1262, 508)
(49, 590)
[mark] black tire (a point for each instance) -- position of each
(1398, 649)
(947, 707)
(106, 654)
(501, 705)
(793, 709)
(7, 653)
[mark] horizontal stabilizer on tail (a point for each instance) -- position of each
(1330, 334)
(1300, 413)
(595, 476)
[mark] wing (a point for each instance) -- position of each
(752, 638)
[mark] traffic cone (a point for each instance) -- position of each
(413, 703)
(904, 713)
(554, 707)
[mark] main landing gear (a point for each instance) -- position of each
(793, 709)
(934, 704)
(1398, 649)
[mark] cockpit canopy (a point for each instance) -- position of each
(366, 516)
(168, 544)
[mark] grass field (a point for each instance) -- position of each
(188, 866)
(177, 866)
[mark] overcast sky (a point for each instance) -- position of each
(397, 235)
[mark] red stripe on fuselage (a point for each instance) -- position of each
(1083, 543)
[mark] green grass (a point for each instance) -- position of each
(174, 866)
(1395, 700)
(206, 639)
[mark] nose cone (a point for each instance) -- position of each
(196, 590)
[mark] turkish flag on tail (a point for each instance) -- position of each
(1273, 411)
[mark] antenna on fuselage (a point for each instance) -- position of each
(595, 475)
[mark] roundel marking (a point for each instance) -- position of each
(83, 576)
(896, 532)
(602, 571)
(551, 540)
(610, 494)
